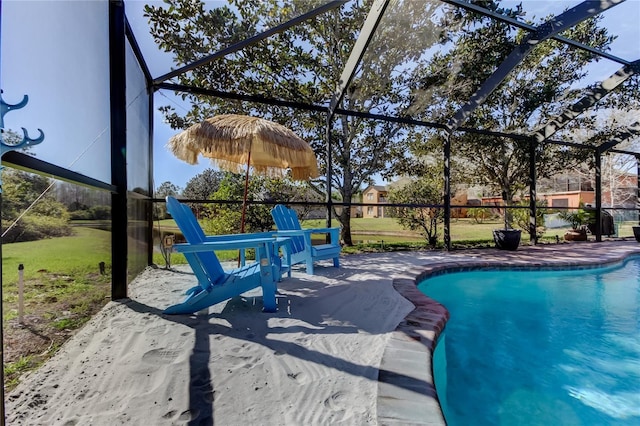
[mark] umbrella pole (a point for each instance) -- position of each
(246, 188)
(244, 200)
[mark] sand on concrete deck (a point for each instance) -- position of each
(315, 361)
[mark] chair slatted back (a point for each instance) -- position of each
(204, 264)
(287, 220)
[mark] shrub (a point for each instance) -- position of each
(479, 214)
(521, 217)
(80, 215)
(36, 227)
(100, 212)
(575, 218)
(425, 190)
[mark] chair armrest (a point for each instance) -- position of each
(224, 245)
(233, 237)
(304, 231)
(291, 233)
(324, 230)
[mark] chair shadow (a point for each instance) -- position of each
(243, 326)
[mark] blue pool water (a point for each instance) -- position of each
(539, 347)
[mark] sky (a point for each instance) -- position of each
(54, 52)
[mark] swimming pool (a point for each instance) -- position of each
(539, 347)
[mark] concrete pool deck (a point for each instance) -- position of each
(350, 346)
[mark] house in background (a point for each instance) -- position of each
(571, 199)
(461, 198)
(378, 194)
(374, 194)
(572, 192)
(567, 190)
(356, 211)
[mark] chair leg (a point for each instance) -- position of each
(269, 297)
(268, 278)
(336, 262)
(276, 265)
(310, 267)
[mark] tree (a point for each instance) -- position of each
(29, 210)
(202, 186)
(20, 190)
(620, 181)
(80, 198)
(540, 88)
(284, 191)
(226, 218)
(303, 63)
(521, 217)
(619, 171)
(426, 190)
(165, 189)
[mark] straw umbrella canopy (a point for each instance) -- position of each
(234, 142)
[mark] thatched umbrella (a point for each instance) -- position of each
(235, 141)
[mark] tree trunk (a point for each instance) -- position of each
(345, 220)
(507, 197)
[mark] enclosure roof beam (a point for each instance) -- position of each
(359, 48)
(465, 4)
(367, 115)
(571, 144)
(240, 97)
(322, 108)
(27, 163)
(543, 32)
(621, 151)
(591, 97)
(251, 40)
(620, 136)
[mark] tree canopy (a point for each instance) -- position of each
(225, 218)
(426, 190)
(29, 210)
(424, 62)
(165, 189)
(542, 86)
(303, 63)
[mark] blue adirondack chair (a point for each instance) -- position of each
(300, 249)
(214, 284)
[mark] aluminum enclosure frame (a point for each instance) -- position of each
(120, 31)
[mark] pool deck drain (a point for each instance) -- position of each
(406, 392)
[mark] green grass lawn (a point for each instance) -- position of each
(372, 229)
(372, 234)
(63, 288)
(81, 252)
(365, 225)
(61, 270)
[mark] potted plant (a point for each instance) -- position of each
(507, 238)
(577, 219)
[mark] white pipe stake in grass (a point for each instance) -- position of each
(21, 293)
